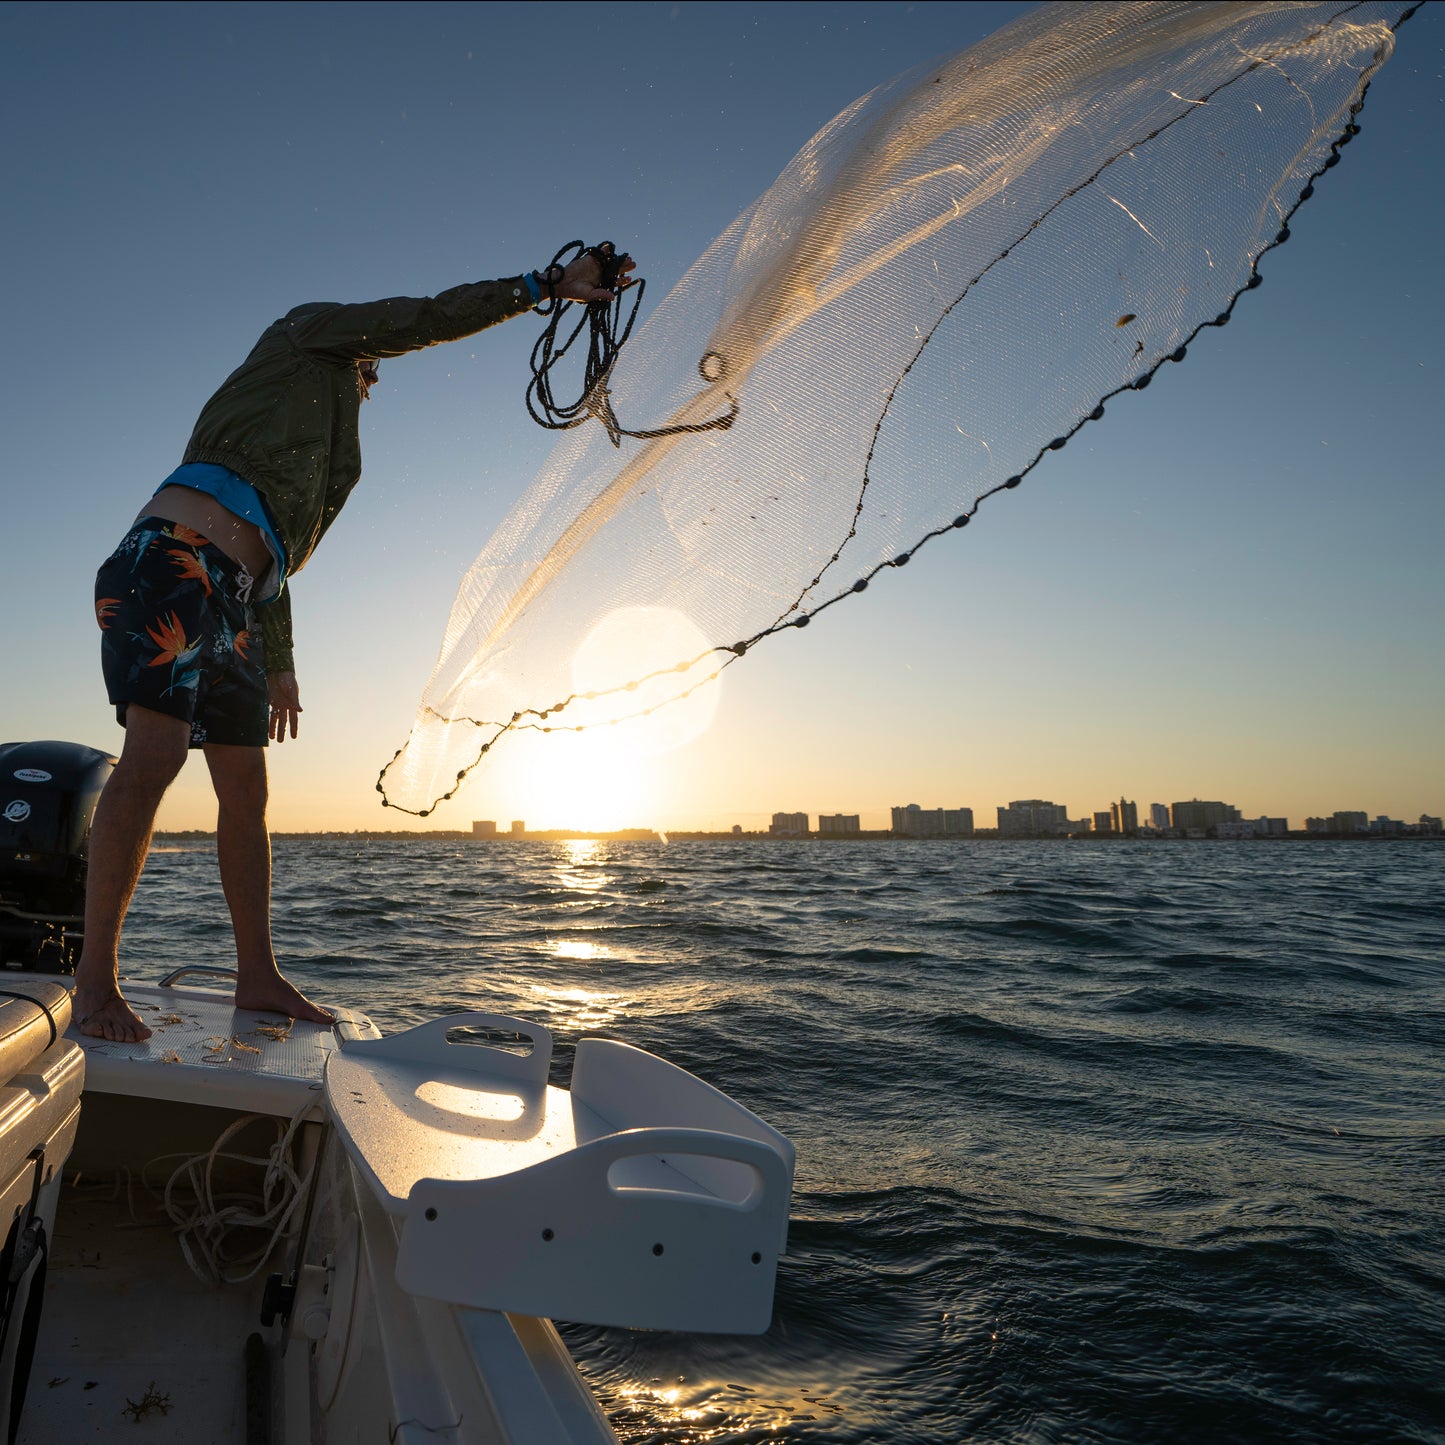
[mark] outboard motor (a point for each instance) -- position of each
(48, 793)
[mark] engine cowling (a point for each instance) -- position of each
(48, 793)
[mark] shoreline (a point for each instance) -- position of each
(645, 835)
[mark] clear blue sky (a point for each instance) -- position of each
(1231, 588)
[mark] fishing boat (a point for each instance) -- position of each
(257, 1230)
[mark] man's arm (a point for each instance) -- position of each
(408, 323)
(276, 633)
(282, 695)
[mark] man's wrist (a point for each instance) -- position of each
(549, 279)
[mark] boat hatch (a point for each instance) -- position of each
(642, 1197)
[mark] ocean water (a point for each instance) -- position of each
(1096, 1142)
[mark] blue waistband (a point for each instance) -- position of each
(239, 497)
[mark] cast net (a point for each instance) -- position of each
(947, 282)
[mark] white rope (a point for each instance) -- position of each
(212, 1228)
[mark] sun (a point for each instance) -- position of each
(646, 684)
(590, 781)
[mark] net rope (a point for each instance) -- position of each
(948, 281)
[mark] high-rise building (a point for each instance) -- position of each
(487, 829)
(789, 825)
(518, 827)
(915, 822)
(958, 822)
(1197, 815)
(834, 823)
(1350, 823)
(1159, 816)
(910, 822)
(1125, 817)
(1103, 822)
(1029, 817)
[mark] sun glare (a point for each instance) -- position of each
(605, 777)
(589, 781)
(639, 663)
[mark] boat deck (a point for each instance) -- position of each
(131, 1337)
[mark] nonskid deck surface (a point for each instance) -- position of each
(132, 1345)
(205, 1050)
(211, 1031)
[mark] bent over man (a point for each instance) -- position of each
(195, 611)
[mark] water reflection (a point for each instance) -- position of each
(573, 1010)
(708, 1410)
(579, 867)
(574, 948)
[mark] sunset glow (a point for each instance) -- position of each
(604, 777)
(1223, 589)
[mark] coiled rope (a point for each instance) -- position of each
(607, 333)
(227, 1238)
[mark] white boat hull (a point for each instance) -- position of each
(131, 1332)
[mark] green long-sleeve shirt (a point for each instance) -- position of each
(286, 418)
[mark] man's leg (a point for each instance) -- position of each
(153, 753)
(243, 848)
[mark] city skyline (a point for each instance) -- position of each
(910, 819)
(1232, 578)
(1087, 819)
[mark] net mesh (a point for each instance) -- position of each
(948, 281)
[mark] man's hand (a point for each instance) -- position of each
(580, 281)
(285, 704)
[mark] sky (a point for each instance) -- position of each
(1229, 589)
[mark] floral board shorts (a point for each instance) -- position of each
(177, 634)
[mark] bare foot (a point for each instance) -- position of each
(108, 1016)
(272, 993)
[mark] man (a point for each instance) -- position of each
(273, 458)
